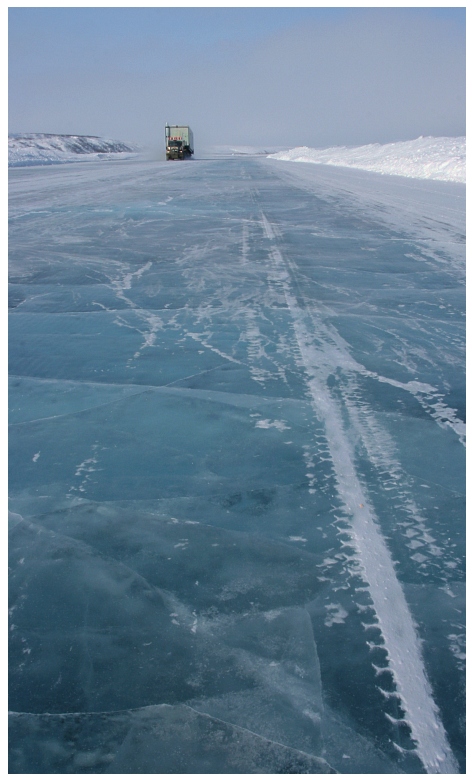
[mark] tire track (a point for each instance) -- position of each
(393, 617)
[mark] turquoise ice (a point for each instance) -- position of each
(237, 481)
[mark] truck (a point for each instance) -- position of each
(179, 142)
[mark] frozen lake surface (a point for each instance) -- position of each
(237, 481)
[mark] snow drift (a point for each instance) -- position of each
(47, 148)
(423, 158)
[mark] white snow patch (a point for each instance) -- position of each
(200, 338)
(336, 614)
(272, 614)
(279, 424)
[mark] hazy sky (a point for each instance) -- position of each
(273, 76)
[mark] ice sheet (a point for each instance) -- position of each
(237, 458)
(159, 739)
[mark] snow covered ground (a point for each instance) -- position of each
(47, 149)
(269, 359)
(424, 158)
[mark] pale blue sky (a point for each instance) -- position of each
(314, 76)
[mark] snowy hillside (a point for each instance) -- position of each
(47, 148)
(424, 158)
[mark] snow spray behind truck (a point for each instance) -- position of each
(179, 142)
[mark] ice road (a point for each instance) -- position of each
(237, 480)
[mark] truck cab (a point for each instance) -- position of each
(174, 150)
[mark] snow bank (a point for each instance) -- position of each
(46, 149)
(424, 158)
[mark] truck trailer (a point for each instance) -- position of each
(179, 142)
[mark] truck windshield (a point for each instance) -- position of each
(175, 143)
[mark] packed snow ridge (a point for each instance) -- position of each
(424, 158)
(47, 148)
